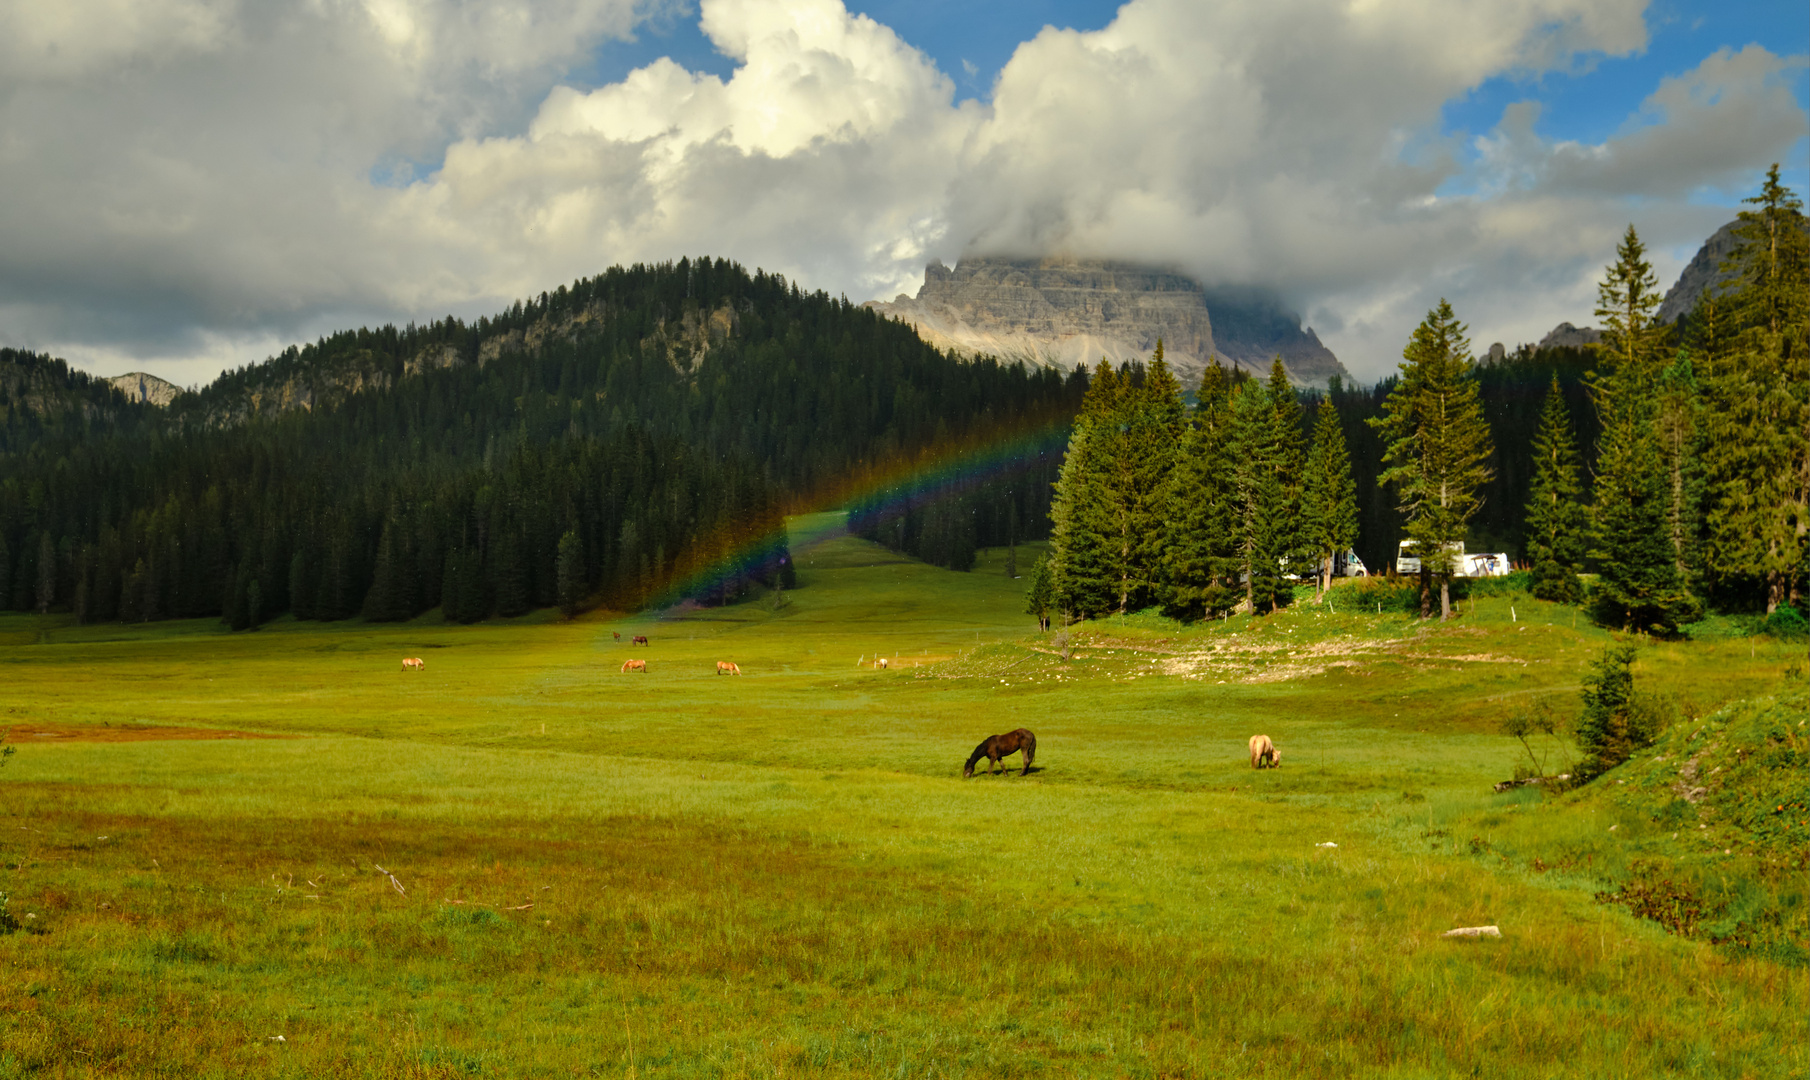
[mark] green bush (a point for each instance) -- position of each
(1787, 624)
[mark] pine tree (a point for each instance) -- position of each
(1757, 415)
(570, 573)
(1639, 584)
(1290, 464)
(1556, 519)
(1153, 421)
(1436, 441)
(1199, 563)
(1329, 497)
(1040, 598)
(1083, 516)
(1603, 730)
(1259, 539)
(47, 571)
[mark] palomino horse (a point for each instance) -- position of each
(639, 640)
(998, 746)
(725, 667)
(414, 663)
(880, 663)
(1264, 752)
(635, 665)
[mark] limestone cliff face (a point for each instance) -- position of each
(1063, 312)
(149, 389)
(1702, 274)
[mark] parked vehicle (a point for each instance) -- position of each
(1466, 565)
(1407, 564)
(1348, 565)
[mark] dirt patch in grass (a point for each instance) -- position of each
(22, 734)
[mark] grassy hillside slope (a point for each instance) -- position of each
(523, 861)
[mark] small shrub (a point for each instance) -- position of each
(1384, 593)
(1787, 623)
(1613, 726)
(1673, 905)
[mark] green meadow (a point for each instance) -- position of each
(278, 853)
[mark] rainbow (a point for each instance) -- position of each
(898, 486)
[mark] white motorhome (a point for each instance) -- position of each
(1408, 565)
(1466, 565)
(1348, 565)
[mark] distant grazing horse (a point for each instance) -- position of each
(724, 667)
(879, 663)
(639, 640)
(618, 634)
(635, 665)
(414, 663)
(1264, 752)
(999, 746)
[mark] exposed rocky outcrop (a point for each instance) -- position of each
(1567, 336)
(1700, 275)
(148, 389)
(1062, 312)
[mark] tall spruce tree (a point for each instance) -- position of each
(1154, 422)
(1639, 585)
(1757, 415)
(1436, 443)
(1199, 560)
(1260, 539)
(569, 573)
(1556, 518)
(1084, 521)
(1290, 463)
(1329, 498)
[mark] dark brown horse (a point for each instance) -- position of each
(999, 746)
(639, 640)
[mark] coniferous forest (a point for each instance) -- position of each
(633, 437)
(1672, 461)
(638, 436)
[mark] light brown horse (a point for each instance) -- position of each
(1264, 752)
(725, 667)
(635, 665)
(414, 663)
(995, 747)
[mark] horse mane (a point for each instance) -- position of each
(980, 751)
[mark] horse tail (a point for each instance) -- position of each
(1030, 751)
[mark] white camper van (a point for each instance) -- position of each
(1408, 565)
(1466, 565)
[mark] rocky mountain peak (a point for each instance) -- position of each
(1061, 312)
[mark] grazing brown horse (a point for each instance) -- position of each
(1264, 752)
(414, 663)
(998, 746)
(640, 640)
(725, 667)
(618, 634)
(635, 665)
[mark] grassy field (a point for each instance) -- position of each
(276, 853)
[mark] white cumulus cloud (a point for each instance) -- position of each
(185, 174)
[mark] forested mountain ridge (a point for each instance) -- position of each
(43, 397)
(607, 439)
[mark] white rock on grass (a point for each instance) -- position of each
(1473, 932)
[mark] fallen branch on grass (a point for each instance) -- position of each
(1473, 932)
(393, 882)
